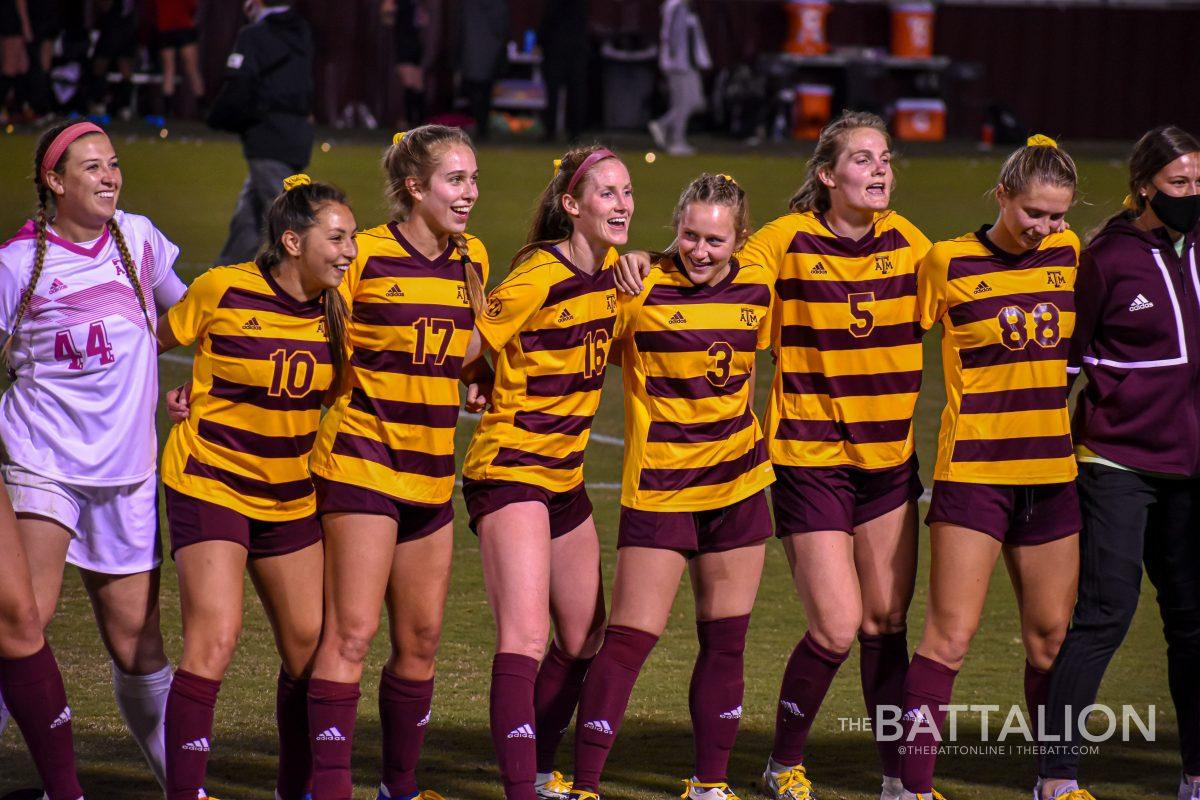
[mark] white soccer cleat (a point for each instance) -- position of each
(1189, 790)
(551, 786)
(697, 790)
(786, 783)
(892, 789)
(1068, 791)
(921, 795)
(657, 134)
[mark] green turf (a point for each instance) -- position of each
(188, 188)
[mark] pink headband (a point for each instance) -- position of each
(587, 164)
(64, 140)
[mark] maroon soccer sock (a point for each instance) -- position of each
(512, 721)
(883, 663)
(295, 754)
(332, 711)
(191, 705)
(33, 691)
(604, 699)
(1037, 689)
(927, 690)
(555, 695)
(806, 680)
(715, 696)
(404, 710)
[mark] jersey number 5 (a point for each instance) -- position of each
(864, 320)
(1014, 326)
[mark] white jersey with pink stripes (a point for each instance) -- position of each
(81, 407)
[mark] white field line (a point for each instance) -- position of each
(615, 441)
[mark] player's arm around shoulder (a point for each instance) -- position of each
(184, 322)
(932, 271)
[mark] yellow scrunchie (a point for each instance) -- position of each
(293, 181)
(557, 165)
(728, 178)
(1040, 140)
(399, 137)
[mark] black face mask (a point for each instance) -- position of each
(1180, 214)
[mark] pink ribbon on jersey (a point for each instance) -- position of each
(65, 139)
(587, 164)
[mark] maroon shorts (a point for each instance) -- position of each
(567, 510)
(808, 499)
(694, 533)
(1016, 515)
(193, 520)
(413, 520)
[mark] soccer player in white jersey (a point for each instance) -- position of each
(79, 286)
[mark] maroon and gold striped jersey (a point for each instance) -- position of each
(550, 326)
(692, 442)
(260, 373)
(1007, 322)
(847, 339)
(392, 427)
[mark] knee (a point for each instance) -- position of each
(1041, 650)
(530, 645)
(881, 623)
(299, 649)
(583, 644)
(947, 644)
(21, 631)
(207, 654)
(416, 648)
(351, 639)
(140, 651)
(837, 636)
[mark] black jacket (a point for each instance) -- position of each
(267, 93)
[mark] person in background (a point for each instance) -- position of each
(266, 99)
(178, 41)
(564, 38)
(114, 23)
(412, 23)
(682, 54)
(15, 33)
(481, 56)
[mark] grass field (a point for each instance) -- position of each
(188, 187)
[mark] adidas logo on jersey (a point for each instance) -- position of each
(914, 715)
(523, 732)
(677, 319)
(395, 291)
(61, 719)
(197, 745)
(982, 288)
(791, 708)
(600, 726)
(565, 316)
(733, 714)
(331, 734)
(819, 269)
(1140, 303)
(425, 719)
(252, 325)
(57, 286)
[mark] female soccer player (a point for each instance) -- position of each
(547, 328)
(384, 459)
(29, 675)
(78, 291)
(1004, 480)
(1137, 441)
(694, 476)
(839, 426)
(271, 337)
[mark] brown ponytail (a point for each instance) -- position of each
(471, 276)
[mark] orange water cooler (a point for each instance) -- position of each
(920, 120)
(812, 109)
(912, 29)
(806, 28)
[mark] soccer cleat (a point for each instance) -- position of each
(790, 783)
(697, 790)
(1189, 790)
(582, 794)
(935, 795)
(551, 786)
(891, 789)
(657, 134)
(1067, 791)
(424, 794)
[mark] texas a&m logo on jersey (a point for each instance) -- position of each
(462, 294)
(1054, 277)
(610, 301)
(749, 317)
(883, 264)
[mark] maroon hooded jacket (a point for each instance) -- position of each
(1137, 339)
